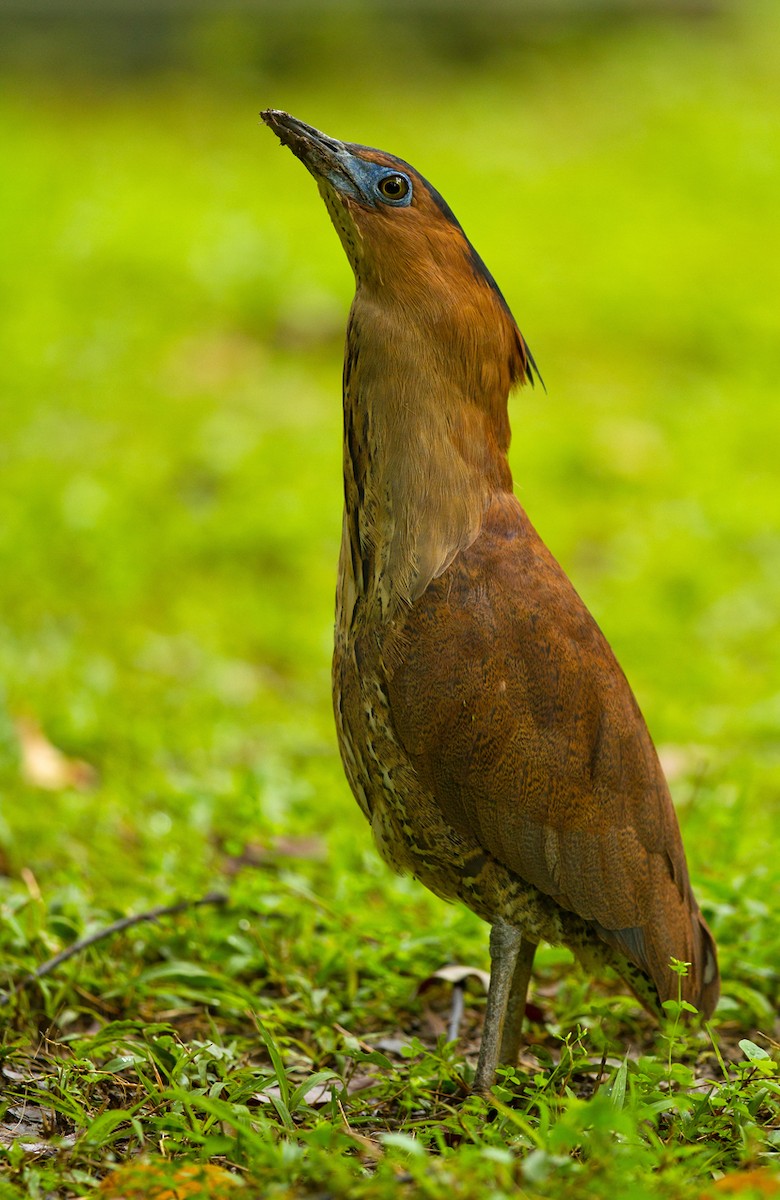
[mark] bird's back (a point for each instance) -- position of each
(507, 732)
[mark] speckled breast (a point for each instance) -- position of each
(410, 832)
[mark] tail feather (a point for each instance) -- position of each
(647, 954)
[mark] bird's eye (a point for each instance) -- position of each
(394, 187)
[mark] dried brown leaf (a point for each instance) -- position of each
(455, 973)
(680, 762)
(264, 854)
(320, 1094)
(45, 766)
(150, 1180)
(758, 1182)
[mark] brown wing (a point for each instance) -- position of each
(531, 740)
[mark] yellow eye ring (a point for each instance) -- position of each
(394, 187)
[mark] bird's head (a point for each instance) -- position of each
(398, 232)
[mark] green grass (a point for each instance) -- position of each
(173, 301)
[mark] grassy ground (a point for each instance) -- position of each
(173, 301)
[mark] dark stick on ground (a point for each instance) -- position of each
(154, 914)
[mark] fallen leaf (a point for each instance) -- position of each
(391, 1045)
(31, 1126)
(758, 1182)
(459, 975)
(44, 766)
(168, 1181)
(369, 1148)
(680, 762)
(456, 974)
(321, 1094)
(264, 854)
(313, 849)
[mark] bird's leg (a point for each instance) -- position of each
(515, 1009)
(505, 942)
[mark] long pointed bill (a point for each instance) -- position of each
(326, 158)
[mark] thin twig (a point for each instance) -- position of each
(163, 910)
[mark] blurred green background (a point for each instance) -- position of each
(172, 304)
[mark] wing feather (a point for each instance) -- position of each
(531, 739)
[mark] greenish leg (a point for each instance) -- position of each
(505, 943)
(515, 1009)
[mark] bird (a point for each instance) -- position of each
(486, 729)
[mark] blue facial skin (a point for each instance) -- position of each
(362, 180)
